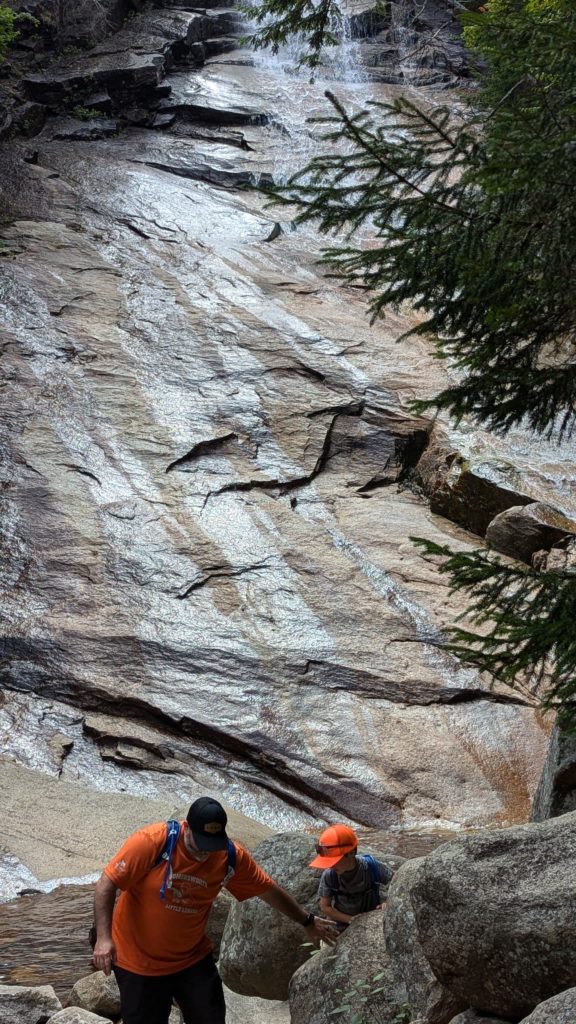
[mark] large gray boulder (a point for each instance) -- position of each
(561, 1009)
(336, 977)
(22, 1004)
(495, 915)
(98, 993)
(472, 1017)
(260, 948)
(425, 994)
(217, 920)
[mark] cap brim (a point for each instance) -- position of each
(210, 843)
(326, 862)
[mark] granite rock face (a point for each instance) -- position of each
(206, 450)
(26, 1004)
(561, 1009)
(495, 915)
(260, 948)
(330, 979)
(426, 996)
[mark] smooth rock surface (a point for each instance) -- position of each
(204, 531)
(495, 915)
(426, 996)
(77, 829)
(261, 948)
(561, 1009)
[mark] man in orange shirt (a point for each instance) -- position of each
(155, 937)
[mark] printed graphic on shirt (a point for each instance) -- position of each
(155, 936)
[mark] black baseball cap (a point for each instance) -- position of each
(207, 820)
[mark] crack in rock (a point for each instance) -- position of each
(202, 448)
(226, 573)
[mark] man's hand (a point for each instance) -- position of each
(104, 955)
(323, 930)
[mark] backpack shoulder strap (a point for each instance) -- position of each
(172, 836)
(374, 873)
(231, 863)
(332, 880)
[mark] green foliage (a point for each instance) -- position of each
(530, 617)
(8, 31)
(474, 217)
(359, 1005)
(85, 113)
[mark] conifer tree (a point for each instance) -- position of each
(474, 224)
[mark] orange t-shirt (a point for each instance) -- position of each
(154, 936)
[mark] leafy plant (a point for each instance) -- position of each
(85, 113)
(8, 32)
(360, 1006)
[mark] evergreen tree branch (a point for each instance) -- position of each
(531, 619)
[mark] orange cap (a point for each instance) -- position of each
(334, 843)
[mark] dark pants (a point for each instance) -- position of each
(197, 990)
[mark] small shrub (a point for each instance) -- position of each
(358, 1005)
(8, 31)
(85, 113)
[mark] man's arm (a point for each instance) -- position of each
(104, 949)
(281, 900)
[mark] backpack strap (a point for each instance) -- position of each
(172, 836)
(231, 865)
(332, 880)
(374, 872)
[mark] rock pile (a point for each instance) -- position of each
(481, 930)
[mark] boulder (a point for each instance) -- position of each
(336, 977)
(425, 994)
(365, 18)
(27, 1004)
(77, 1015)
(469, 491)
(472, 1017)
(556, 793)
(217, 920)
(561, 1009)
(260, 948)
(495, 915)
(522, 530)
(97, 993)
(562, 558)
(251, 1010)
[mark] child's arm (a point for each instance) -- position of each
(328, 910)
